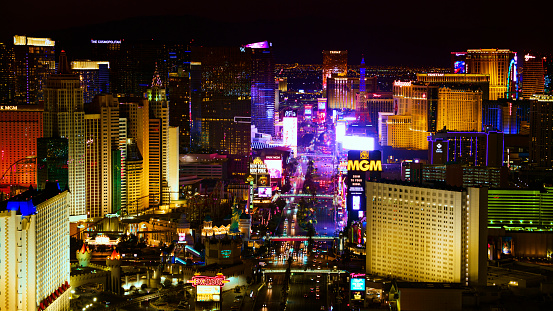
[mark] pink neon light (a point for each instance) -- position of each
(218, 280)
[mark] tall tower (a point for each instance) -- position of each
(103, 156)
(159, 126)
(263, 87)
(532, 76)
(541, 131)
(500, 64)
(361, 100)
(7, 74)
(35, 60)
(334, 62)
(64, 118)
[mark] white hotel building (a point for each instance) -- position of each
(34, 251)
(422, 234)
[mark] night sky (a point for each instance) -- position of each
(385, 32)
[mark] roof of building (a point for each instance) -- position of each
(26, 202)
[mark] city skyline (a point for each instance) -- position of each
(386, 34)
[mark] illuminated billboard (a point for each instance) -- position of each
(263, 181)
(264, 192)
(274, 166)
(340, 130)
(208, 293)
(321, 103)
(459, 66)
(290, 133)
(308, 110)
(358, 143)
(361, 164)
(357, 284)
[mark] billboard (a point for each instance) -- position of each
(274, 166)
(208, 293)
(264, 192)
(290, 133)
(308, 110)
(359, 164)
(358, 143)
(263, 181)
(459, 66)
(321, 102)
(357, 284)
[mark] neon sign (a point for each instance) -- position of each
(528, 56)
(105, 41)
(218, 280)
(402, 84)
(364, 165)
(8, 107)
(356, 275)
(258, 167)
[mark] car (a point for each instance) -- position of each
(305, 295)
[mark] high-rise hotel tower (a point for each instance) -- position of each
(64, 118)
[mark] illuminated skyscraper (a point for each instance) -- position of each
(420, 101)
(263, 87)
(159, 126)
(20, 129)
(541, 131)
(137, 115)
(34, 62)
(225, 113)
(102, 130)
(94, 77)
(448, 241)
(500, 65)
(532, 76)
(459, 109)
(7, 74)
(479, 82)
(64, 118)
(334, 63)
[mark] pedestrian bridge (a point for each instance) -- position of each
(300, 238)
(305, 195)
(332, 271)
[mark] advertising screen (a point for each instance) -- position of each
(321, 102)
(264, 192)
(290, 135)
(274, 167)
(263, 181)
(358, 143)
(208, 293)
(459, 66)
(308, 110)
(357, 284)
(356, 202)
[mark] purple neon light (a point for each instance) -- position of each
(258, 45)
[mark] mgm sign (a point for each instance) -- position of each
(360, 164)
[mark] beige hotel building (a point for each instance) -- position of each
(422, 234)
